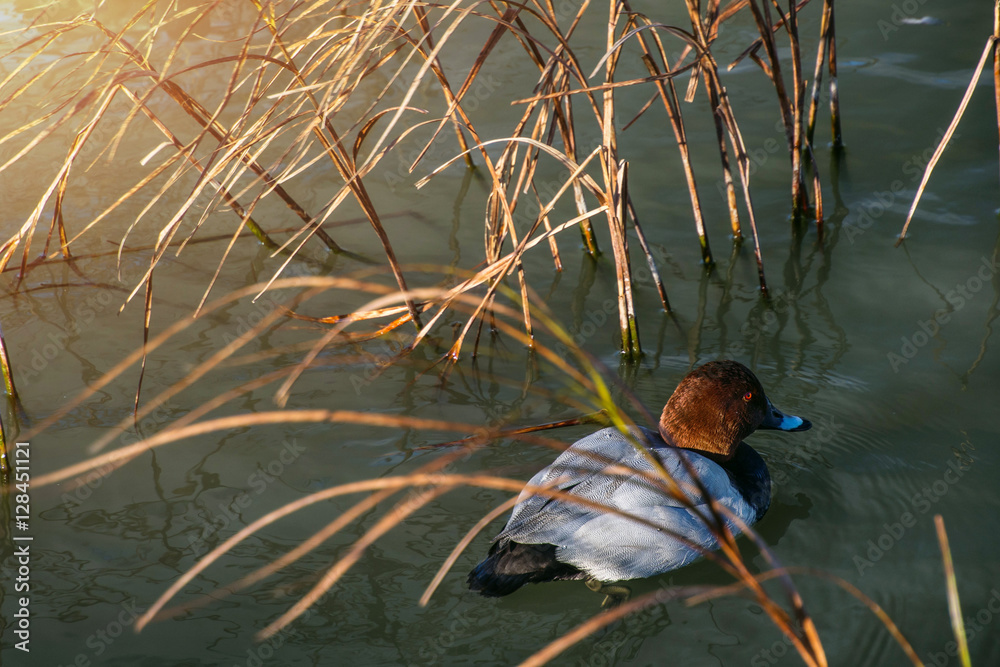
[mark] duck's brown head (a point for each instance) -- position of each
(716, 406)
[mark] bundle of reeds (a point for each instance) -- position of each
(299, 91)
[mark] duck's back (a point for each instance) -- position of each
(610, 547)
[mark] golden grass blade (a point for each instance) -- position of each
(614, 47)
(69, 259)
(996, 61)
(356, 487)
(244, 421)
(808, 643)
(8, 373)
(990, 45)
(954, 605)
(824, 40)
(731, 9)
(147, 313)
(78, 142)
(600, 88)
(553, 246)
(4, 460)
(727, 171)
(222, 398)
(800, 201)
(24, 62)
(650, 260)
(429, 58)
(836, 135)
(561, 157)
(817, 191)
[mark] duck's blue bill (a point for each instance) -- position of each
(776, 419)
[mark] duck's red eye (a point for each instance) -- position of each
(747, 396)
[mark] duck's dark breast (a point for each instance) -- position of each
(749, 474)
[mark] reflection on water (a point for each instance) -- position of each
(893, 66)
(894, 442)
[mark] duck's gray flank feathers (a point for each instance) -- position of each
(610, 547)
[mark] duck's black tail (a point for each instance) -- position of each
(511, 565)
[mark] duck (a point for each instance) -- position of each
(701, 431)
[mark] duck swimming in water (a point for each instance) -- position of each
(705, 421)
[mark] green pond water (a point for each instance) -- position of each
(889, 351)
